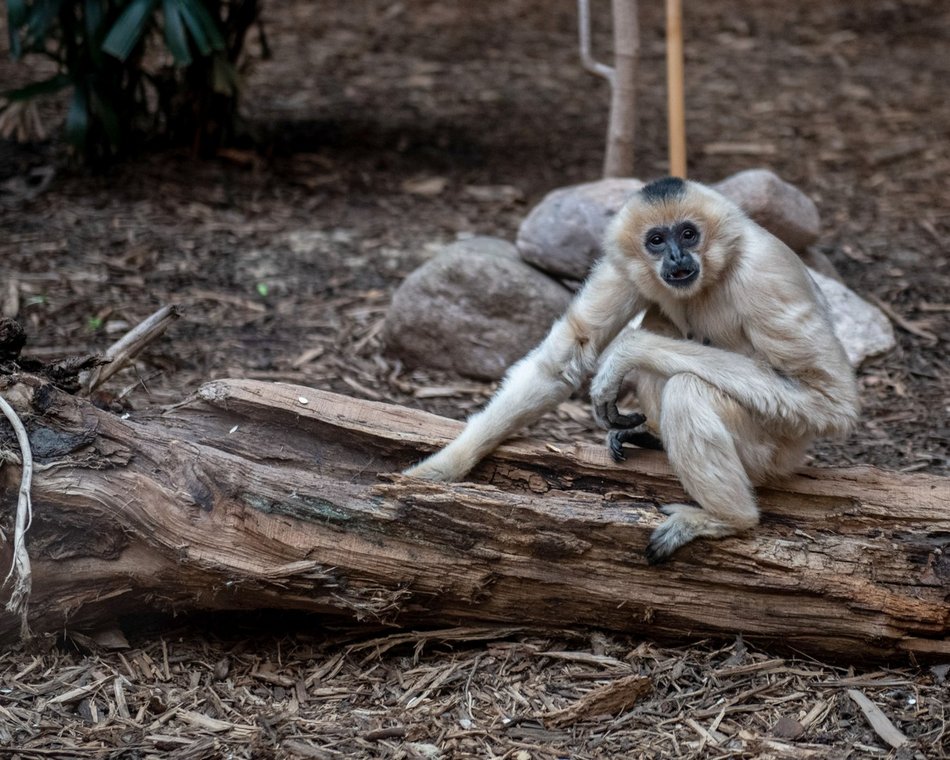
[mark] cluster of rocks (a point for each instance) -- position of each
(483, 303)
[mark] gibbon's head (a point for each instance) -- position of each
(675, 237)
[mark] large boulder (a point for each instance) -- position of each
(562, 234)
(475, 309)
(781, 208)
(863, 329)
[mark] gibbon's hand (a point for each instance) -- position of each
(604, 390)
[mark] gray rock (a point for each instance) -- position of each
(863, 329)
(781, 208)
(562, 234)
(475, 309)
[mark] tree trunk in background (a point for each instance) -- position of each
(618, 161)
(257, 495)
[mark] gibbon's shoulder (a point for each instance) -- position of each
(769, 275)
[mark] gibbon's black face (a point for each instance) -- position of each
(674, 247)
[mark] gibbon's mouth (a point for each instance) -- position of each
(680, 278)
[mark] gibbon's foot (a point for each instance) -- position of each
(441, 466)
(625, 421)
(636, 436)
(676, 531)
(685, 522)
(608, 416)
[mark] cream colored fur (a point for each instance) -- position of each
(735, 403)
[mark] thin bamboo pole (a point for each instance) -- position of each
(674, 81)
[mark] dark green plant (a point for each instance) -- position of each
(113, 55)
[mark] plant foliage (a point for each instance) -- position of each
(135, 68)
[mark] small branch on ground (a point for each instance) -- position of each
(130, 345)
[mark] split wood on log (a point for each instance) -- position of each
(258, 495)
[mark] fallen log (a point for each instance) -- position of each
(257, 495)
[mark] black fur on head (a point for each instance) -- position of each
(665, 189)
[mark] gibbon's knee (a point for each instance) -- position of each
(703, 452)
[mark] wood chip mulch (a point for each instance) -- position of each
(455, 693)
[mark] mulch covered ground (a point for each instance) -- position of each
(385, 129)
(458, 693)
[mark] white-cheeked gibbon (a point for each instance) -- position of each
(736, 365)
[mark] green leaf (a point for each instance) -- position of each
(175, 33)
(95, 23)
(94, 16)
(16, 17)
(36, 89)
(16, 13)
(102, 109)
(224, 77)
(39, 17)
(77, 119)
(203, 28)
(16, 50)
(28, 24)
(129, 28)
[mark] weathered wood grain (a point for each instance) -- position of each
(258, 495)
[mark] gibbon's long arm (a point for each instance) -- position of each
(761, 389)
(546, 376)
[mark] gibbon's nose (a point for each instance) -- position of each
(680, 260)
(676, 255)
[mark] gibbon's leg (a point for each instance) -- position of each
(547, 376)
(715, 445)
(702, 449)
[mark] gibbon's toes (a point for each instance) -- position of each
(615, 441)
(428, 471)
(657, 554)
(608, 416)
(644, 439)
(625, 421)
(675, 532)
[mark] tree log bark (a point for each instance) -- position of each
(257, 495)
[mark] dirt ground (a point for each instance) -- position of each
(284, 258)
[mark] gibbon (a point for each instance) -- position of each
(736, 365)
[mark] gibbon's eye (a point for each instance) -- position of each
(655, 240)
(689, 234)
